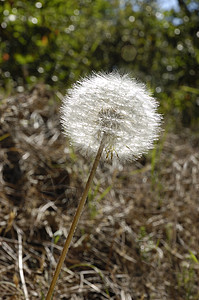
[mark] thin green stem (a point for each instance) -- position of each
(75, 221)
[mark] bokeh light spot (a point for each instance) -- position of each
(131, 19)
(158, 89)
(12, 18)
(128, 53)
(180, 47)
(38, 5)
(177, 31)
(54, 78)
(3, 25)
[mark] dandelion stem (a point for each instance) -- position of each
(75, 221)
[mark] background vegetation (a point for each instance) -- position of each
(57, 41)
(138, 236)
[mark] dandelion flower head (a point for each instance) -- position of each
(114, 108)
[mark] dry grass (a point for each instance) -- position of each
(138, 236)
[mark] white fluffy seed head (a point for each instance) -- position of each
(114, 108)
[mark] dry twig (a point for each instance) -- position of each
(20, 263)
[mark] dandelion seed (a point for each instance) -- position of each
(113, 106)
(109, 112)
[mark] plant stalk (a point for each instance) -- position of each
(75, 221)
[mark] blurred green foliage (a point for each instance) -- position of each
(56, 41)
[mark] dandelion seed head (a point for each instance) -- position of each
(112, 107)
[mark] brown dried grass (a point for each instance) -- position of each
(139, 241)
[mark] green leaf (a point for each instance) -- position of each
(193, 257)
